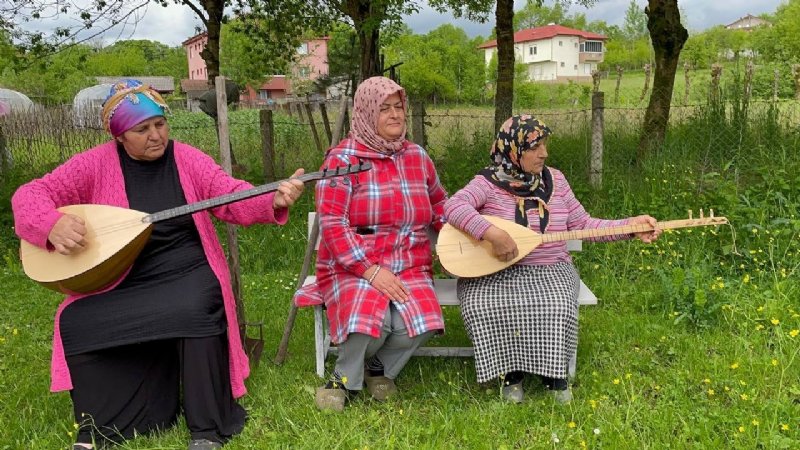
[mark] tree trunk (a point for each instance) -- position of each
(210, 54)
(668, 36)
(369, 53)
(504, 93)
(367, 17)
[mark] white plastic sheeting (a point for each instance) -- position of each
(14, 101)
(88, 104)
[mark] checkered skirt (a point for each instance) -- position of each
(524, 318)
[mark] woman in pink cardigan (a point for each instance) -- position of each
(169, 324)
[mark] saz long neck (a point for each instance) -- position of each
(628, 229)
(242, 195)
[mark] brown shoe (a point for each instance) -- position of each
(380, 387)
(330, 399)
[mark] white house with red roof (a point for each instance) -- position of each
(555, 53)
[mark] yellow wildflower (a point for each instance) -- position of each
(775, 321)
(571, 425)
(794, 333)
(616, 380)
(735, 365)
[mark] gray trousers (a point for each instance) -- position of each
(393, 348)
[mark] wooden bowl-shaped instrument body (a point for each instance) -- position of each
(115, 237)
(463, 256)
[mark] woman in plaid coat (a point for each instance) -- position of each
(374, 267)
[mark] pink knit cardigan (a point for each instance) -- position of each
(95, 177)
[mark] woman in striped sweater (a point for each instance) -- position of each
(524, 319)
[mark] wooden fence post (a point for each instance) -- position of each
(647, 69)
(796, 77)
(5, 153)
(323, 110)
(232, 237)
(619, 79)
(776, 81)
(686, 68)
(310, 113)
(267, 123)
(418, 122)
(716, 74)
(596, 162)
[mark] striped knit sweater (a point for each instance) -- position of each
(480, 197)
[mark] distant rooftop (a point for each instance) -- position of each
(546, 32)
(161, 84)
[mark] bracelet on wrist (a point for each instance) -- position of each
(374, 274)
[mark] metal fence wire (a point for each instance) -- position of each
(707, 116)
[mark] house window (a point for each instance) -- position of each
(264, 94)
(560, 43)
(303, 72)
(534, 50)
(303, 49)
(530, 50)
(576, 67)
(562, 63)
(592, 47)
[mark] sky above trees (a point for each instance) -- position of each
(172, 25)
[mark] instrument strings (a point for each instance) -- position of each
(230, 198)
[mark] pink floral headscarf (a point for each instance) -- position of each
(366, 108)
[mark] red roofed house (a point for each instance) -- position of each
(312, 63)
(555, 53)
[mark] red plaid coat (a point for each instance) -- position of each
(377, 217)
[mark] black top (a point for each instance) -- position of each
(170, 291)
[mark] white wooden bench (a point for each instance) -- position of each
(446, 293)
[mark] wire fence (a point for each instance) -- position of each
(714, 118)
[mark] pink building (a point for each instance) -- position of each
(311, 63)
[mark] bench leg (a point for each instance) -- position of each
(320, 335)
(572, 366)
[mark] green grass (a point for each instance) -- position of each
(694, 344)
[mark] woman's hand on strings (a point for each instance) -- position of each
(288, 191)
(504, 247)
(646, 236)
(67, 235)
(387, 283)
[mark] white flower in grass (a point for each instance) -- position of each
(555, 438)
(596, 431)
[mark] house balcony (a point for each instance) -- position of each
(590, 57)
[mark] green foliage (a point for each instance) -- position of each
(685, 293)
(628, 54)
(780, 43)
(57, 78)
(443, 65)
(342, 51)
(534, 15)
(635, 25)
